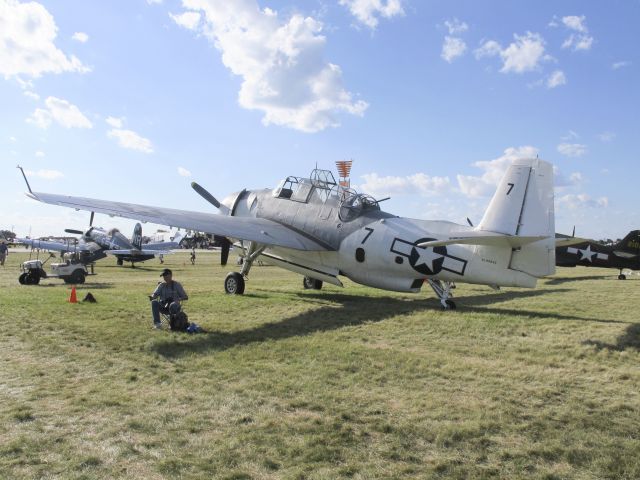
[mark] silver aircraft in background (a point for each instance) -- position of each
(96, 243)
(323, 230)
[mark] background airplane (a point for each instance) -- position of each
(96, 243)
(621, 255)
(323, 229)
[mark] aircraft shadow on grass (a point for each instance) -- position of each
(559, 281)
(630, 339)
(80, 287)
(350, 311)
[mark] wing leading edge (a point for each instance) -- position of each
(258, 230)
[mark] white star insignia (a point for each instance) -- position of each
(427, 257)
(587, 254)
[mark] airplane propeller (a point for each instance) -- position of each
(75, 232)
(225, 243)
(205, 194)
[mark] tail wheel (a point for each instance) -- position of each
(622, 276)
(311, 283)
(234, 284)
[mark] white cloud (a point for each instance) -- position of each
(183, 172)
(580, 40)
(490, 48)
(618, 65)
(419, 183)
(284, 74)
(60, 111)
(576, 23)
(115, 122)
(576, 178)
(80, 37)
(556, 79)
(368, 11)
(452, 47)
(524, 54)
(188, 20)
(473, 186)
(581, 201)
(31, 95)
(46, 174)
(570, 135)
(131, 140)
(39, 154)
(606, 136)
(456, 26)
(152, 2)
(572, 149)
(27, 34)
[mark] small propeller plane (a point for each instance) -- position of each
(96, 243)
(323, 230)
(622, 255)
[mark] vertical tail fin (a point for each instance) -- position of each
(630, 243)
(523, 206)
(136, 239)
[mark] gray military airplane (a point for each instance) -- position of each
(96, 243)
(322, 230)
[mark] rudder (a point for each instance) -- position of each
(523, 206)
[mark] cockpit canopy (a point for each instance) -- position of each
(323, 187)
(355, 204)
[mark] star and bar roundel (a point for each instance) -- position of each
(428, 261)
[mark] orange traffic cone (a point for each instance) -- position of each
(72, 297)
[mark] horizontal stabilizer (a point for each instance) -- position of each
(483, 239)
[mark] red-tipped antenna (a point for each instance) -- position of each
(344, 169)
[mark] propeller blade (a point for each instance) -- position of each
(205, 194)
(225, 245)
(469, 222)
(75, 232)
(574, 231)
(91, 219)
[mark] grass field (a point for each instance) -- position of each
(343, 383)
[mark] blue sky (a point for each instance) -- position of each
(132, 100)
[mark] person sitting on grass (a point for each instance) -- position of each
(166, 297)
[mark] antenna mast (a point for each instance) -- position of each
(344, 169)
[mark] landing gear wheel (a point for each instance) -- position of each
(234, 284)
(77, 277)
(22, 279)
(311, 283)
(449, 305)
(622, 276)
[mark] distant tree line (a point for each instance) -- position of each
(7, 234)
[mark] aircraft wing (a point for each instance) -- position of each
(259, 230)
(48, 245)
(568, 241)
(482, 238)
(134, 252)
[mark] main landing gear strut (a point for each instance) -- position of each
(234, 281)
(443, 291)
